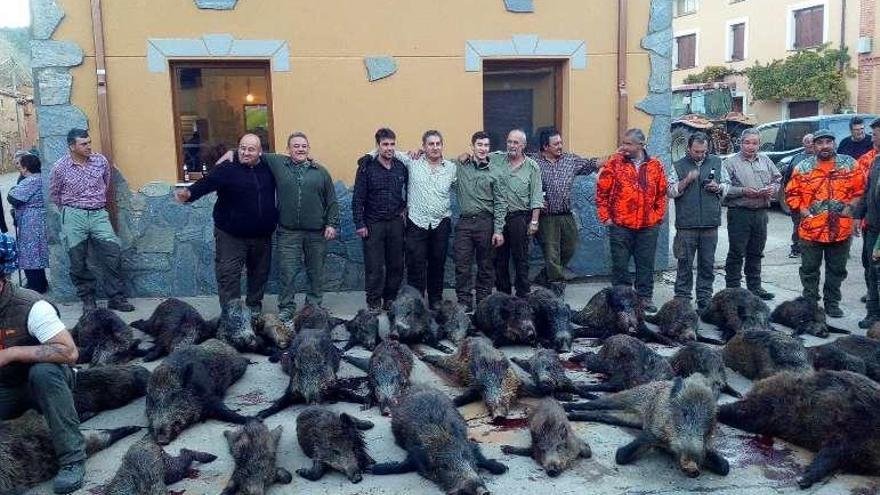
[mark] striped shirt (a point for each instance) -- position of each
(428, 198)
(80, 186)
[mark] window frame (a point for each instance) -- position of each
(729, 39)
(677, 13)
(174, 66)
(679, 34)
(791, 26)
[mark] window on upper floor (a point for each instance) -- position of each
(737, 42)
(686, 51)
(684, 7)
(808, 27)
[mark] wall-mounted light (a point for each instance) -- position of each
(250, 96)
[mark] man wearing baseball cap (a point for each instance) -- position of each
(825, 189)
(36, 352)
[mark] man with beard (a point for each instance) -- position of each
(858, 142)
(825, 189)
(868, 211)
(748, 180)
(631, 202)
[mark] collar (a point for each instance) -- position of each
(308, 163)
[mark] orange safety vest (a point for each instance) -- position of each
(825, 189)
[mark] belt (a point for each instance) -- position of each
(482, 214)
(558, 214)
(86, 209)
(519, 213)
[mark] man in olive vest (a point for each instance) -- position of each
(693, 183)
(35, 351)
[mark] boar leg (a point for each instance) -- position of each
(828, 460)
(342, 392)
(522, 363)
(490, 465)
(286, 400)
(708, 340)
(362, 364)
(832, 329)
(313, 474)
(221, 411)
(470, 396)
(609, 418)
(633, 450)
(177, 467)
(716, 463)
(727, 389)
(283, 476)
(440, 347)
(577, 390)
(522, 451)
(153, 353)
(405, 466)
(652, 336)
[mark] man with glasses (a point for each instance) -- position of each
(244, 220)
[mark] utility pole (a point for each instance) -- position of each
(15, 97)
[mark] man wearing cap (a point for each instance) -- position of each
(78, 187)
(868, 212)
(748, 181)
(825, 189)
(36, 352)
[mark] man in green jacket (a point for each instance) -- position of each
(308, 218)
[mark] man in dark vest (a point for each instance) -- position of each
(693, 183)
(35, 351)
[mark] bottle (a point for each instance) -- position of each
(711, 176)
(204, 169)
(185, 173)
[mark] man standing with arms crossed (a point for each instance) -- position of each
(825, 189)
(78, 186)
(521, 179)
(748, 181)
(693, 184)
(558, 231)
(378, 207)
(480, 225)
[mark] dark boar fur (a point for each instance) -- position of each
(27, 454)
(172, 324)
(455, 323)
(613, 311)
(315, 316)
(235, 327)
(552, 317)
(505, 319)
(434, 434)
(103, 338)
(486, 372)
(555, 445)
(549, 377)
(833, 413)
(188, 388)
(735, 309)
(146, 469)
(388, 373)
(677, 416)
(852, 353)
(275, 333)
(108, 387)
(254, 449)
(333, 441)
(804, 315)
(757, 354)
(627, 361)
(678, 321)
(697, 357)
(412, 321)
(314, 361)
(363, 329)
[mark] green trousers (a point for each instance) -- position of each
(298, 249)
(836, 254)
(84, 231)
(558, 235)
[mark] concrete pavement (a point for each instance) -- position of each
(758, 466)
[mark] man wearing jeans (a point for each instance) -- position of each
(378, 207)
(244, 220)
(748, 181)
(631, 202)
(78, 187)
(36, 352)
(308, 218)
(693, 183)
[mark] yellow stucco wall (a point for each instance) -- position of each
(766, 40)
(326, 93)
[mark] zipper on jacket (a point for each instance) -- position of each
(259, 192)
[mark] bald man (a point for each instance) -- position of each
(244, 220)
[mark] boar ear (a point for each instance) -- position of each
(276, 434)
(677, 385)
(346, 420)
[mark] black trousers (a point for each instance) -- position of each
(872, 301)
(383, 261)
(747, 234)
(516, 246)
(426, 257)
(232, 253)
(640, 245)
(473, 239)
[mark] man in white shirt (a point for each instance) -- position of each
(35, 351)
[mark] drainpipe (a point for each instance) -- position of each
(103, 109)
(622, 98)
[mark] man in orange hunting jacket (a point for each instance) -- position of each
(631, 202)
(824, 189)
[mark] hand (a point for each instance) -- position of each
(712, 186)
(805, 213)
(533, 228)
(751, 192)
(608, 223)
(227, 157)
(766, 192)
(467, 155)
(329, 233)
(416, 154)
(182, 194)
(4, 357)
(692, 175)
(857, 230)
(362, 232)
(497, 240)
